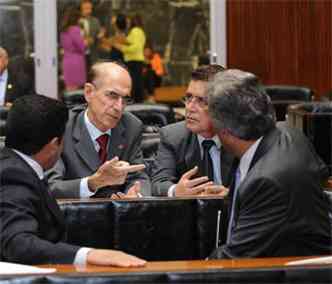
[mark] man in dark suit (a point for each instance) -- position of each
(278, 205)
(32, 227)
(13, 83)
(180, 168)
(86, 165)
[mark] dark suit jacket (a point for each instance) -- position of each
(32, 228)
(80, 159)
(179, 152)
(281, 209)
(18, 85)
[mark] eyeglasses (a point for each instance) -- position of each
(113, 96)
(201, 101)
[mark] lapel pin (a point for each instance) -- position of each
(9, 86)
(121, 146)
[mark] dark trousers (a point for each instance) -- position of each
(135, 70)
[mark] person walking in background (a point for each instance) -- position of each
(72, 42)
(133, 52)
(106, 49)
(92, 31)
(153, 71)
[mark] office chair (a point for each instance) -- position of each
(282, 96)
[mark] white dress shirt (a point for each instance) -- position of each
(215, 157)
(81, 254)
(94, 133)
(3, 86)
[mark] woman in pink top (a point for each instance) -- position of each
(72, 42)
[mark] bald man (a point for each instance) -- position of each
(102, 156)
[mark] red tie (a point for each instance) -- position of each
(102, 141)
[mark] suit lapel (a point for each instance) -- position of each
(228, 165)
(84, 146)
(192, 152)
(264, 146)
(118, 141)
(51, 202)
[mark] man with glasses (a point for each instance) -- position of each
(191, 159)
(102, 155)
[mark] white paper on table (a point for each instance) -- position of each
(14, 268)
(318, 260)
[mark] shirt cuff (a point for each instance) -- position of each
(84, 188)
(171, 191)
(81, 256)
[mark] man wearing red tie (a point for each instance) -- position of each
(102, 156)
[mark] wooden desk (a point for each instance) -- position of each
(263, 270)
(182, 266)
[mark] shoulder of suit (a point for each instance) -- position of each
(15, 170)
(128, 118)
(176, 132)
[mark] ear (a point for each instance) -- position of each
(55, 142)
(88, 91)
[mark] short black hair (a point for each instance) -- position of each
(206, 72)
(33, 121)
(121, 22)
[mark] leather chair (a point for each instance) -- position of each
(153, 114)
(282, 96)
(315, 120)
(74, 98)
(152, 228)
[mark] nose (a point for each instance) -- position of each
(190, 105)
(118, 104)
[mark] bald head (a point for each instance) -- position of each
(100, 72)
(3, 60)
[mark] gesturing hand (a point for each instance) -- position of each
(188, 186)
(113, 172)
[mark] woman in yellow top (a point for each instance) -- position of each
(133, 53)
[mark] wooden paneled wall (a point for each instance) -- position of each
(282, 41)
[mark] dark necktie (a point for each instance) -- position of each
(235, 191)
(102, 141)
(207, 165)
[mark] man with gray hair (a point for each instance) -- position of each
(278, 207)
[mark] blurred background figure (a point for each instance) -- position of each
(153, 71)
(133, 52)
(92, 31)
(74, 46)
(14, 82)
(106, 49)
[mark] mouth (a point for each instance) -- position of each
(115, 117)
(191, 119)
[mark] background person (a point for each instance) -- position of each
(72, 42)
(133, 51)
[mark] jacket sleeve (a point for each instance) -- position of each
(164, 174)
(21, 241)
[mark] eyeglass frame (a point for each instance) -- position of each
(201, 101)
(114, 96)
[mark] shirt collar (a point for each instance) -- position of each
(94, 132)
(32, 163)
(4, 75)
(247, 157)
(215, 138)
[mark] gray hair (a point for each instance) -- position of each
(238, 103)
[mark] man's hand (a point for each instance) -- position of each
(188, 186)
(113, 172)
(113, 258)
(133, 192)
(215, 190)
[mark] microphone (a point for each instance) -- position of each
(218, 228)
